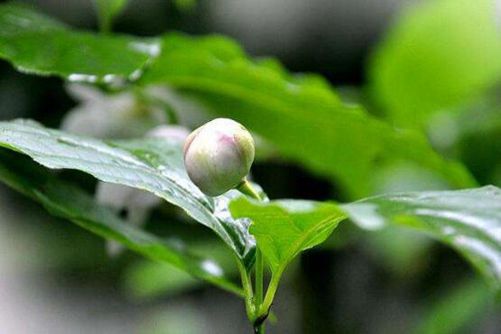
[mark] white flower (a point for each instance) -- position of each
(102, 115)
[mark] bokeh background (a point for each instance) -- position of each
(57, 278)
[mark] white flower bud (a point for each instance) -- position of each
(218, 155)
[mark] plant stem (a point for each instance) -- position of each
(270, 293)
(258, 317)
(104, 25)
(259, 281)
(246, 188)
(247, 286)
(259, 277)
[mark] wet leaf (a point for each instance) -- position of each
(285, 228)
(67, 201)
(35, 43)
(344, 142)
(154, 165)
(468, 220)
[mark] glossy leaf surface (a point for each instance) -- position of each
(67, 201)
(154, 165)
(344, 142)
(285, 228)
(35, 43)
(468, 220)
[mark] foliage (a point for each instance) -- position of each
(435, 57)
(282, 108)
(301, 116)
(107, 10)
(40, 45)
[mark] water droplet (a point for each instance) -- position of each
(86, 78)
(151, 49)
(135, 75)
(212, 268)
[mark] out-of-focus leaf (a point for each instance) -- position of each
(471, 133)
(146, 279)
(438, 54)
(400, 251)
(457, 309)
(343, 141)
(107, 10)
(185, 5)
(468, 220)
(66, 201)
(285, 228)
(34, 43)
(154, 165)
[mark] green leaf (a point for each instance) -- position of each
(154, 165)
(107, 10)
(67, 201)
(185, 5)
(455, 311)
(437, 55)
(344, 142)
(468, 220)
(34, 43)
(147, 280)
(285, 228)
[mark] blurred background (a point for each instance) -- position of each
(429, 65)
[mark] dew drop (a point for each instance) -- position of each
(212, 268)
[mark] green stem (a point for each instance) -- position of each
(270, 293)
(259, 277)
(247, 286)
(259, 281)
(246, 188)
(104, 25)
(258, 318)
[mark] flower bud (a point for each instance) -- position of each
(218, 155)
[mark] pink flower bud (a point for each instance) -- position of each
(218, 155)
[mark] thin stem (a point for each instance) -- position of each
(104, 25)
(270, 293)
(247, 286)
(259, 277)
(258, 318)
(246, 188)
(259, 282)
